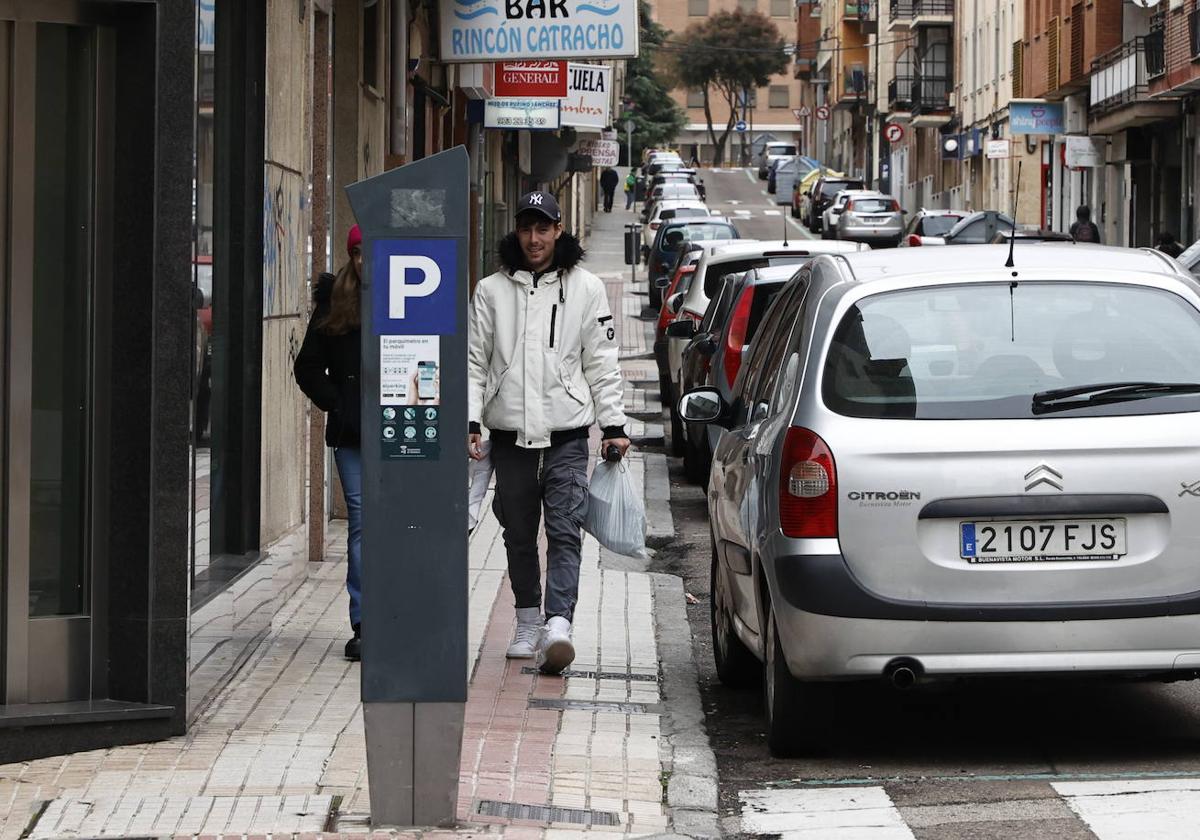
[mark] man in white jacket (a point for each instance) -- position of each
(542, 368)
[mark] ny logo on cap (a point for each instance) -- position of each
(536, 198)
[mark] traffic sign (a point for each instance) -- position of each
(894, 132)
(802, 112)
(740, 125)
(822, 112)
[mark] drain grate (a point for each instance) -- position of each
(559, 704)
(599, 675)
(545, 813)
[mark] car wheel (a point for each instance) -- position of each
(795, 212)
(799, 714)
(677, 431)
(736, 665)
(696, 465)
(655, 295)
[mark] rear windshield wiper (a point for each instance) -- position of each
(1063, 399)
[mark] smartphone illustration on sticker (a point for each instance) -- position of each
(427, 380)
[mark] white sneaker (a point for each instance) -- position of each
(556, 652)
(529, 630)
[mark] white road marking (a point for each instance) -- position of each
(764, 192)
(805, 232)
(858, 813)
(1135, 809)
(772, 212)
(741, 212)
(734, 201)
(753, 180)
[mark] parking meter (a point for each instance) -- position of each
(414, 221)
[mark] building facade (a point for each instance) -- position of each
(174, 174)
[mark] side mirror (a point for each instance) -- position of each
(675, 302)
(681, 329)
(662, 282)
(703, 405)
(706, 346)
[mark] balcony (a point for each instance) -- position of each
(856, 9)
(803, 67)
(931, 101)
(854, 87)
(1194, 35)
(932, 13)
(1120, 86)
(900, 97)
(900, 15)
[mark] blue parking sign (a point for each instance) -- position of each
(414, 286)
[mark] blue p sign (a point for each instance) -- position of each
(414, 286)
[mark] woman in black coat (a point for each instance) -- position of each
(328, 371)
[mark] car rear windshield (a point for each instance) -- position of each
(983, 351)
(714, 273)
(781, 149)
(872, 205)
(831, 188)
(682, 212)
(697, 233)
(938, 225)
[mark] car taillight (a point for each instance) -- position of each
(895, 206)
(735, 339)
(808, 486)
(914, 240)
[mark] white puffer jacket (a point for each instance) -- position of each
(543, 354)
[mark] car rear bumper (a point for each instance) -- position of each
(869, 234)
(829, 647)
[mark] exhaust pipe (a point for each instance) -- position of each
(902, 673)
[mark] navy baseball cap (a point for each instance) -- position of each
(540, 202)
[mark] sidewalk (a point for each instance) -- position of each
(616, 745)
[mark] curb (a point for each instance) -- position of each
(660, 525)
(691, 794)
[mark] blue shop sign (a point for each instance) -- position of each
(1035, 117)
(414, 286)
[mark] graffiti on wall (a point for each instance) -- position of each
(285, 227)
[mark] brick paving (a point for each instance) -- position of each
(281, 751)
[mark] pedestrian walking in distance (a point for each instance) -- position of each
(1084, 229)
(328, 371)
(630, 188)
(608, 183)
(541, 369)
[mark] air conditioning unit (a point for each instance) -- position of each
(1075, 119)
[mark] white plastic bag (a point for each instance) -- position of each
(616, 516)
(479, 477)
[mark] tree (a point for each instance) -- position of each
(729, 53)
(656, 117)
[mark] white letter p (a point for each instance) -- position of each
(398, 290)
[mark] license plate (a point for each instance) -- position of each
(874, 220)
(1040, 541)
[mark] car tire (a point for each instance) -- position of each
(795, 212)
(677, 431)
(799, 714)
(736, 665)
(696, 465)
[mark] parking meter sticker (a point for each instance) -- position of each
(414, 286)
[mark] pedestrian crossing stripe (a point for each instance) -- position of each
(1115, 809)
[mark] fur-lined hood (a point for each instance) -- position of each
(568, 253)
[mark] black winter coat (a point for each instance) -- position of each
(329, 369)
(609, 179)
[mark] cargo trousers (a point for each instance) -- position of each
(530, 482)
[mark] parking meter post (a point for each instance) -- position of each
(415, 222)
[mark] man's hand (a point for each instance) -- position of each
(621, 444)
(475, 446)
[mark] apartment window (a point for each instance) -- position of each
(698, 8)
(781, 8)
(779, 96)
(748, 5)
(370, 44)
(695, 99)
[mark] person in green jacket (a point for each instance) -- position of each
(630, 188)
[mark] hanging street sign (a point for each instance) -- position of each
(505, 30)
(740, 125)
(544, 79)
(521, 113)
(602, 152)
(588, 95)
(996, 149)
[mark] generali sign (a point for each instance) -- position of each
(540, 79)
(506, 30)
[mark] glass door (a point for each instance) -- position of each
(54, 108)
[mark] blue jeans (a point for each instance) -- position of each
(349, 466)
(629, 200)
